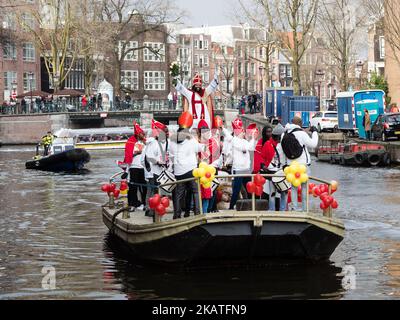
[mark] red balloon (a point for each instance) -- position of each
(335, 204)
(154, 202)
(165, 202)
(316, 192)
(323, 188)
(259, 180)
(323, 206)
(259, 191)
(185, 120)
(116, 193)
(123, 186)
(328, 201)
(160, 210)
(324, 195)
(251, 187)
(105, 188)
(157, 199)
(311, 186)
(112, 187)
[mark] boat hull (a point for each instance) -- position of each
(242, 238)
(71, 160)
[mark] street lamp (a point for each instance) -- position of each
(359, 68)
(30, 75)
(263, 90)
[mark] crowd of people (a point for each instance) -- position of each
(240, 152)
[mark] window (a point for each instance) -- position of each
(253, 69)
(382, 47)
(10, 77)
(206, 77)
(129, 52)
(240, 85)
(10, 51)
(206, 44)
(130, 79)
(154, 80)
(10, 22)
(27, 20)
(196, 59)
(28, 82)
(253, 53)
(240, 71)
(28, 52)
(201, 63)
(196, 44)
(154, 51)
(206, 60)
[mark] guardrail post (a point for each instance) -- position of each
(200, 199)
(330, 208)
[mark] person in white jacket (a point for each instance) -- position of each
(306, 142)
(241, 156)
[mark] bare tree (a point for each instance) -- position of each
(53, 26)
(129, 20)
(392, 27)
(340, 23)
(290, 24)
(375, 9)
(224, 57)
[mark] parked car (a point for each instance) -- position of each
(325, 120)
(386, 126)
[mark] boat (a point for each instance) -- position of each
(228, 237)
(102, 139)
(354, 154)
(63, 156)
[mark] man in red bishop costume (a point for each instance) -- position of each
(200, 102)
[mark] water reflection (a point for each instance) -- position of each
(311, 281)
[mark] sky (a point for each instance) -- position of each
(207, 12)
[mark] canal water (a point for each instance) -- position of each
(50, 224)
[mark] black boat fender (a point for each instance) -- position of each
(359, 159)
(374, 159)
(386, 159)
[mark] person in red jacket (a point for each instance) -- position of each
(260, 152)
(133, 150)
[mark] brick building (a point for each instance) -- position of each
(19, 59)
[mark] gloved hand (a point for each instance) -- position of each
(124, 176)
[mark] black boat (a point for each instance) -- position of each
(63, 157)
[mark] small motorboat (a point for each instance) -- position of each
(63, 157)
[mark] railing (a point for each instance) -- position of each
(327, 213)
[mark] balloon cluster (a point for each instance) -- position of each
(256, 187)
(159, 205)
(206, 174)
(322, 191)
(296, 174)
(299, 195)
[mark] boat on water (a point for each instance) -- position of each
(63, 156)
(354, 154)
(102, 139)
(228, 237)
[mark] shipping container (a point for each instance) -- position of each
(351, 106)
(304, 107)
(273, 106)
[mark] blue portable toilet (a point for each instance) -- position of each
(304, 107)
(274, 100)
(351, 106)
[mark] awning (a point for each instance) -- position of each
(68, 93)
(35, 93)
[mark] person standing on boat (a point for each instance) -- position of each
(46, 142)
(260, 152)
(157, 156)
(200, 102)
(367, 124)
(242, 164)
(272, 165)
(133, 150)
(295, 141)
(183, 152)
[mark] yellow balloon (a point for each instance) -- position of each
(201, 172)
(204, 180)
(212, 177)
(303, 169)
(296, 183)
(294, 163)
(196, 173)
(304, 178)
(203, 165)
(287, 170)
(207, 185)
(290, 177)
(213, 171)
(295, 169)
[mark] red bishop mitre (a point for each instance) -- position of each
(197, 80)
(237, 124)
(252, 128)
(138, 129)
(203, 125)
(158, 125)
